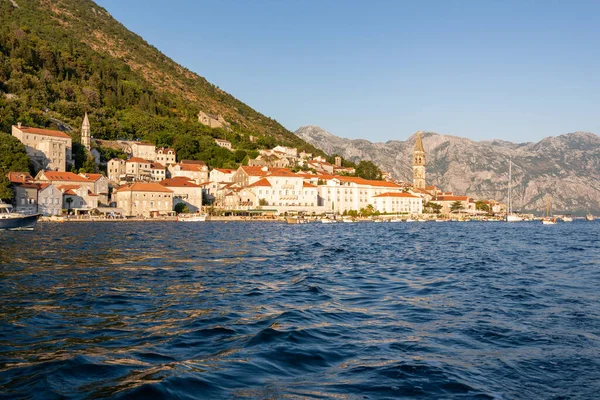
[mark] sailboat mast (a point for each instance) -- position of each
(509, 185)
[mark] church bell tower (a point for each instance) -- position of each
(86, 133)
(419, 163)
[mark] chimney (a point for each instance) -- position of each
(19, 125)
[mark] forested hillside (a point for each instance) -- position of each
(61, 58)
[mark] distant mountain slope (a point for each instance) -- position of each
(59, 58)
(566, 168)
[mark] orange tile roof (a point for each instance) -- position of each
(45, 132)
(261, 182)
(197, 162)
(144, 187)
(190, 167)
(138, 160)
(92, 177)
(452, 198)
(64, 176)
(44, 185)
(19, 177)
(69, 189)
(308, 185)
(155, 165)
(178, 181)
(225, 170)
(395, 194)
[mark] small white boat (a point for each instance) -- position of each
(349, 220)
(549, 221)
(328, 221)
(191, 217)
(567, 218)
(513, 218)
(589, 217)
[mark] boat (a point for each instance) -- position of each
(350, 220)
(296, 220)
(15, 221)
(328, 221)
(548, 220)
(510, 217)
(589, 217)
(567, 218)
(191, 217)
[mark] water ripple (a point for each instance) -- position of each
(163, 310)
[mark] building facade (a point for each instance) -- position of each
(144, 200)
(48, 149)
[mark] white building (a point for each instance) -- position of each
(398, 203)
(221, 175)
(223, 143)
(344, 193)
(146, 151)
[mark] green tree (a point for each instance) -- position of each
(69, 201)
(432, 208)
(481, 205)
(456, 206)
(368, 170)
(181, 208)
(13, 158)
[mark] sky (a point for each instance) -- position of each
(380, 70)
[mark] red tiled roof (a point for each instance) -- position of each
(308, 185)
(261, 182)
(64, 176)
(138, 160)
(452, 198)
(92, 177)
(225, 170)
(178, 181)
(155, 165)
(144, 187)
(45, 132)
(192, 162)
(190, 167)
(19, 177)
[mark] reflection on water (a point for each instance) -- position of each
(271, 310)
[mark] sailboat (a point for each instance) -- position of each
(510, 217)
(548, 220)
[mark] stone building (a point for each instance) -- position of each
(419, 163)
(191, 169)
(48, 149)
(185, 191)
(50, 199)
(165, 156)
(142, 199)
(213, 121)
(223, 143)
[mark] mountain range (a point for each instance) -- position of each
(565, 169)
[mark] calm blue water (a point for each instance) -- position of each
(264, 310)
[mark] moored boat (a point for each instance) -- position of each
(15, 221)
(549, 221)
(589, 217)
(191, 217)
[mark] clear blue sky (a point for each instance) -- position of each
(381, 70)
